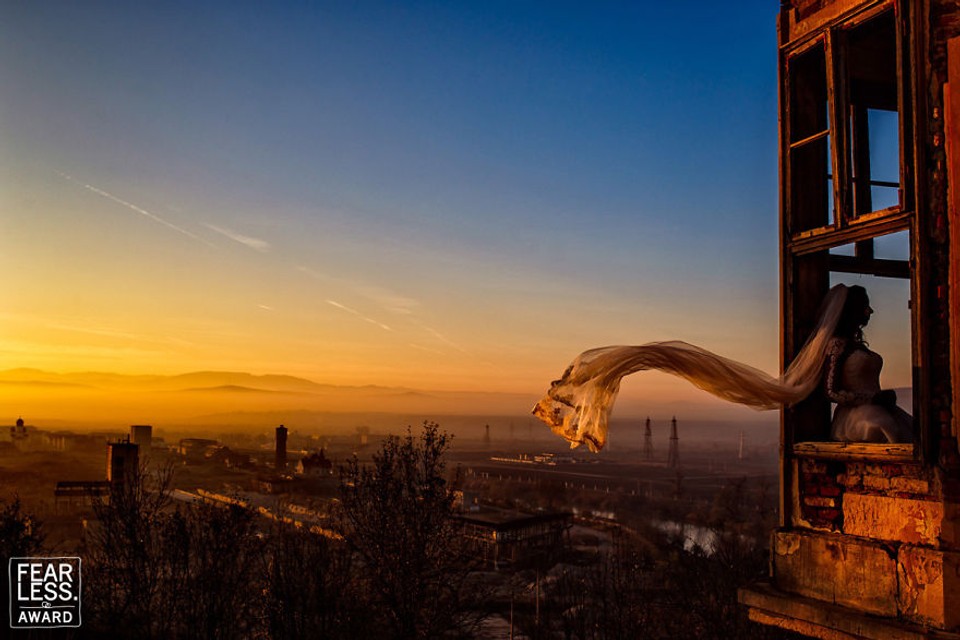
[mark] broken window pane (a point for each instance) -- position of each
(809, 127)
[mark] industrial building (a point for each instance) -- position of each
(506, 538)
(280, 462)
(142, 435)
(868, 543)
(123, 462)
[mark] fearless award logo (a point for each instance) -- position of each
(44, 593)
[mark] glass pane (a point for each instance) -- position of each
(884, 197)
(808, 94)
(874, 123)
(843, 250)
(884, 129)
(893, 246)
(811, 190)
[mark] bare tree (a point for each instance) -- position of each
(210, 582)
(159, 571)
(123, 550)
(20, 533)
(311, 589)
(398, 517)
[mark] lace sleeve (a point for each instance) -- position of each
(836, 354)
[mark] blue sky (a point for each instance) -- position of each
(466, 194)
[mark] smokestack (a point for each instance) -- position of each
(647, 441)
(281, 461)
(123, 459)
(673, 455)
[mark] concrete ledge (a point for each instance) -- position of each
(769, 606)
(851, 572)
(929, 586)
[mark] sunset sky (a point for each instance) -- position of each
(448, 195)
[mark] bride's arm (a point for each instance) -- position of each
(835, 357)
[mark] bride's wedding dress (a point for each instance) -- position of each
(853, 382)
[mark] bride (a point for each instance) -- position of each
(864, 413)
(577, 406)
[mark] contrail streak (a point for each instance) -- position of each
(254, 243)
(358, 314)
(140, 210)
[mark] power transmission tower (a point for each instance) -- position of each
(648, 442)
(673, 456)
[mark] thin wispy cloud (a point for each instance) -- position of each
(442, 338)
(387, 300)
(358, 314)
(390, 302)
(136, 209)
(249, 241)
(420, 347)
(265, 307)
(57, 352)
(108, 332)
(313, 273)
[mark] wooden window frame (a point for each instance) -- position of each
(846, 227)
(806, 261)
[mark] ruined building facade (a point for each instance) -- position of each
(868, 543)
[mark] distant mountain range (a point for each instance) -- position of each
(133, 397)
(229, 396)
(194, 380)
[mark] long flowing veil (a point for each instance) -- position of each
(577, 406)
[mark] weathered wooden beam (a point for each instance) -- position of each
(951, 107)
(864, 228)
(871, 266)
(817, 136)
(855, 451)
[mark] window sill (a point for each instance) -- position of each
(863, 228)
(899, 452)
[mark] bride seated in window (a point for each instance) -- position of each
(864, 413)
(835, 356)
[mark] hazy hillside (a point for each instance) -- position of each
(225, 397)
(98, 395)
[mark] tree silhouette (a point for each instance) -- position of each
(311, 587)
(398, 517)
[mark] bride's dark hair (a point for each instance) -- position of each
(851, 321)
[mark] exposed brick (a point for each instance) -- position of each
(830, 491)
(851, 479)
(828, 515)
(876, 482)
(910, 485)
(817, 501)
(812, 466)
(811, 489)
(872, 470)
